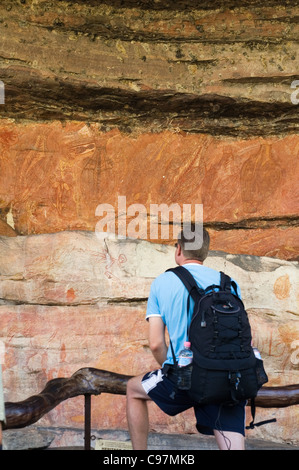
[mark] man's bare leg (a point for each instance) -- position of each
(229, 440)
(137, 413)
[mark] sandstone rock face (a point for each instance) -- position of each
(6, 230)
(72, 300)
(53, 177)
(161, 102)
(158, 102)
(223, 68)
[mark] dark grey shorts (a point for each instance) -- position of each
(208, 417)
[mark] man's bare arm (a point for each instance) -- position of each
(157, 342)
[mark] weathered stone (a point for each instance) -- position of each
(280, 242)
(78, 268)
(225, 69)
(181, 101)
(70, 300)
(27, 439)
(6, 230)
(53, 178)
(169, 76)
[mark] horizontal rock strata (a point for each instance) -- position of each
(158, 102)
(224, 68)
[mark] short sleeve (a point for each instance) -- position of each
(152, 303)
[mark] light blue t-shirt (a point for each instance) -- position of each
(168, 300)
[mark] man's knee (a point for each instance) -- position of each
(130, 386)
(135, 388)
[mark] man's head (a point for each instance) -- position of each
(193, 244)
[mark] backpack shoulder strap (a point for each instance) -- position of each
(188, 280)
(226, 283)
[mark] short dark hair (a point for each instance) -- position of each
(198, 236)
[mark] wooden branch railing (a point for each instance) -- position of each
(86, 381)
(90, 381)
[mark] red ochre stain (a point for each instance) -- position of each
(70, 295)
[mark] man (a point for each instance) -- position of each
(167, 308)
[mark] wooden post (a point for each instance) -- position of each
(87, 421)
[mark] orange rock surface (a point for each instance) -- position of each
(53, 177)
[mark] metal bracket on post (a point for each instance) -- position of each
(87, 421)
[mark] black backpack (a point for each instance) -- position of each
(225, 369)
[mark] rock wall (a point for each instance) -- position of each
(54, 176)
(160, 102)
(172, 102)
(72, 301)
(219, 67)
